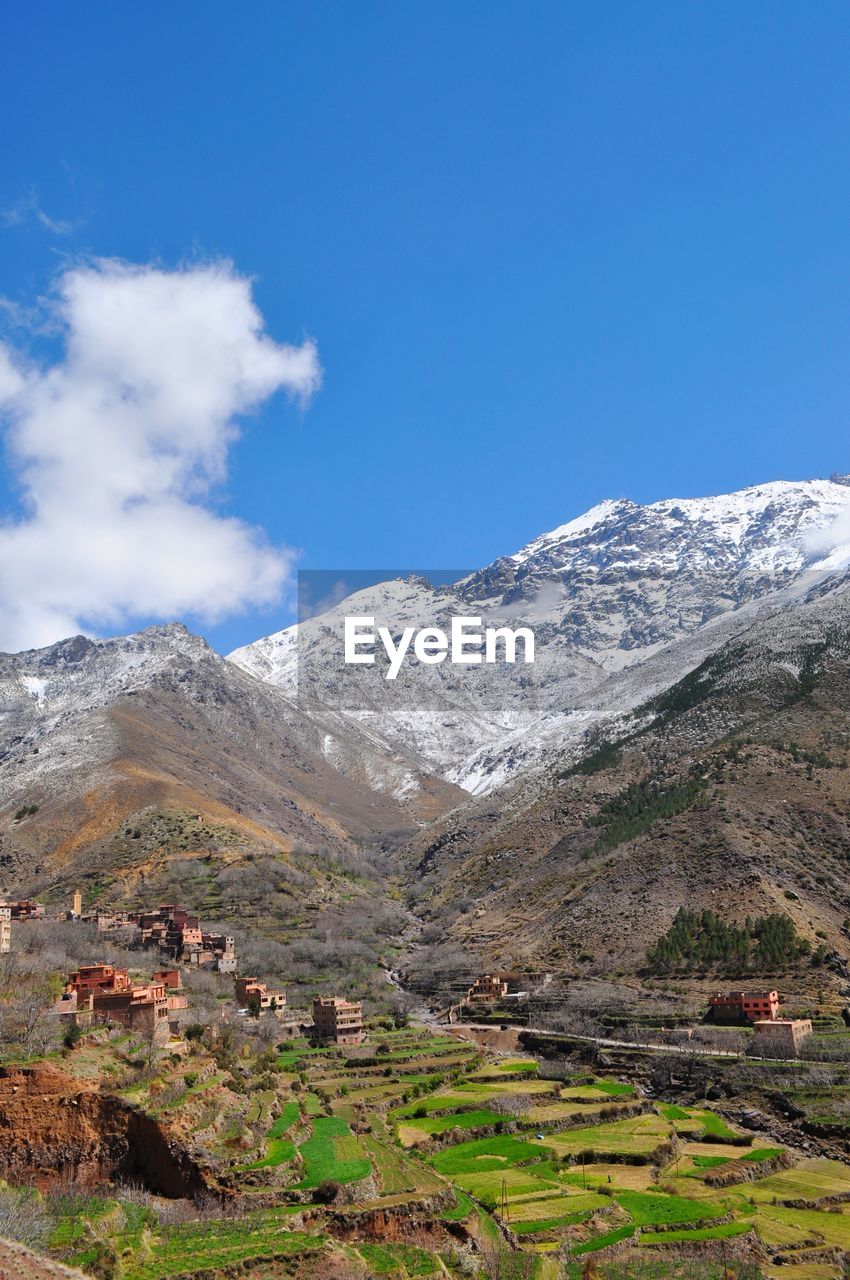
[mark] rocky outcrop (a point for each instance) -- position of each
(53, 1127)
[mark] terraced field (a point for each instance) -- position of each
(420, 1126)
(639, 1176)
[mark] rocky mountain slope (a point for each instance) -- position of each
(101, 738)
(669, 633)
(606, 593)
(727, 791)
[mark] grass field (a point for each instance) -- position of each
(811, 1179)
(212, 1244)
(398, 1260)
(834, 1228)
(652, 1208)
(492, 1153)
(333, 1153)
(435, 1125)
(279, 1149)
(721, 1231)
(384, 1108)
(638, 1135)
(508, 1066)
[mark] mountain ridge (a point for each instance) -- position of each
(604, 592)
(733, 783)
(150, 755)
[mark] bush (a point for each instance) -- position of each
(72, 1036)
(327, 1191)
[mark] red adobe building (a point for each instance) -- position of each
(98, 978)
(106, 994)
(745, 1006)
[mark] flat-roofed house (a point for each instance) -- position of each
(780, 1037)
(255, 995)
(337, 1020)
(487, 989)
(744, 1006)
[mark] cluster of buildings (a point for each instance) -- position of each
(179, 936)
(23, 910)
(773, 1036)
(104, 993)
(175, 932)
(335, 1020)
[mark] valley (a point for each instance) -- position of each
(656, 813)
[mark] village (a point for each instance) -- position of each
(418, 1142)
(105, 994)
(99, 993)
(773, 1036)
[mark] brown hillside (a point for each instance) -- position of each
(753, 745)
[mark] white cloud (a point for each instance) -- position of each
(118, 446)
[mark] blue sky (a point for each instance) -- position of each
(549, 253)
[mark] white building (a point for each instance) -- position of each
(5, 929)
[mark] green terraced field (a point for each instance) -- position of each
(631, 1177)
(722, 1231)
(398, 1260)
(542, 1208)
(651, 1208)
(355, 1115)
(500, 1151)
(808, 1180)
(834, 1228)
(507, 1066)
(545, 1112)
(638, 1135)
(279, 1149)
(456, 1120)
(487, 1184)
(210, 1244)
(333, 1153)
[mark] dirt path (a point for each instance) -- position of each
(493, 1039)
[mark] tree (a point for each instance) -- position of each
(500, 1262)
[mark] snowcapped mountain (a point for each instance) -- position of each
(99, 735)
(623, 600)
(287, 747)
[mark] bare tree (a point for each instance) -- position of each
(500, 1262)
(23, 1217)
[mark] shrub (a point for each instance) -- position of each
(327, 1191)
(72, 1036)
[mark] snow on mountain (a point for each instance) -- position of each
(59, 732)
(619, 598)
